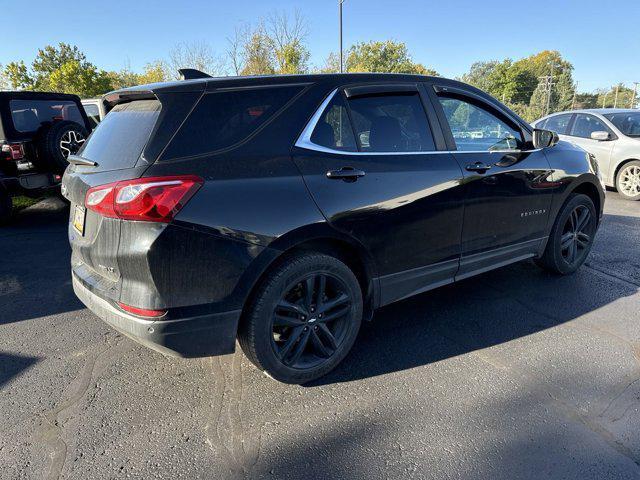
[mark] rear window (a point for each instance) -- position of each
(118, 140)
(29, 115)
(223, 119)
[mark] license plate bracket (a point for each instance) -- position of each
(79, 214)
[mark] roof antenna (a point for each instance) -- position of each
(191, 74)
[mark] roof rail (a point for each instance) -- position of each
(192, 73)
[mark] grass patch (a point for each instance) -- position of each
(22, 202)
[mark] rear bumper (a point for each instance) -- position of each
(198, 336)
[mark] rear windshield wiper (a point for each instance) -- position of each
(81, 161)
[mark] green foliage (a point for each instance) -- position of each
(607, 98)
(521, 84)
(61, 69)
(258, 54)
(292, 58)
(83, 80)
(16, 76)
(386, 57)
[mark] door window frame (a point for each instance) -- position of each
(612, 135)
(572, 117)
(374, 89)
(492, 108)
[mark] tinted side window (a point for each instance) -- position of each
(477, 129)
(558, 124)
(334, 128)
(29, 115)
(585, 125)
(222, 119)
(391, 123)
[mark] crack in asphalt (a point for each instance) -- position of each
(241, 448)
(50, 431)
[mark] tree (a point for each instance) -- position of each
(607, 98)
(82, 80)
(564, 91)
(198, 55)
(258, 53)
(386, 57)
(288, 40)
(154, 72)
(15, 76)
(480, 75)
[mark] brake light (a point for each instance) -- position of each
(142, 312)
(152, 199)
(14, 151)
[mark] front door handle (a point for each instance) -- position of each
(345, 173)
(477, 167)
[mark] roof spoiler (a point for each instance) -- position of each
(191, 74)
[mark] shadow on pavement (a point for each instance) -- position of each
(34, 271)
(13, 365)
(487, 310)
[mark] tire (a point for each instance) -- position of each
(628, 180)
(6, 206)
(59, 141)
(571, 232)
(272, 336)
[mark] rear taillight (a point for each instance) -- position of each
(153, 199)
(142, 312)
(13, 151)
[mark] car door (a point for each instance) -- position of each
(508, 195)
(580, 132)
(374, 159)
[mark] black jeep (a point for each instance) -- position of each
(38, 131)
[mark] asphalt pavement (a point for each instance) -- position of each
(513, 374)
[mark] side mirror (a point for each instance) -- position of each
(601, 136)
(544, 138)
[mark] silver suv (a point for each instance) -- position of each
(612, 135)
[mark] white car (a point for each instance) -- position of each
(95, 109)
(611, 135)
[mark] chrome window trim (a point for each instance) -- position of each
(304, 140)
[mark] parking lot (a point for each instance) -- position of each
(512, 374)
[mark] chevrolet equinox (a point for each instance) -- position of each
(283, 210)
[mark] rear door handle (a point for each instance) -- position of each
(345, 173)
(477, 167)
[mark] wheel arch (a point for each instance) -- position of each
(619, 167)
(324, 239)
(590, 190)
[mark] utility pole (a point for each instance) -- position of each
(615, 101)
(547, 82)
(635, 91)
(575, 92)
(340, 2)
(604, 100)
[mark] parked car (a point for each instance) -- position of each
(612, 135)
(95, 109)
(38, 131)
(283, 210)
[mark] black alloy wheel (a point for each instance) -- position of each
(571, 236)
(303, 318)
(310, 320)
(576, 237)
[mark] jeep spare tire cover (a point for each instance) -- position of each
(60, 140)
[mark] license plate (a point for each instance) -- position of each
(78, 219)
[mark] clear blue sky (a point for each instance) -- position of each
(602, 40)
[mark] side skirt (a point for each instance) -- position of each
(401, 285)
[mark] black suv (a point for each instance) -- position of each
(38, 131)
(283, 211)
